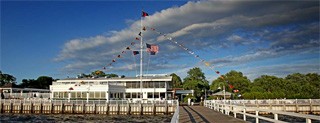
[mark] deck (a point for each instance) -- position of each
(201, 114)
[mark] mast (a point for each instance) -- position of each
(141, 54)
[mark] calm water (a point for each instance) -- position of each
(285, 118)
(75, 118)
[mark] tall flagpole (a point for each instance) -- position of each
(141, 54)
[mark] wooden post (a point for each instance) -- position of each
(62, 108)
(21, 107)
(166, 109)
(141, 109)
(83, 108)
(41, 108)
(154, 108)
(1, 107)
(257, 119)
(108, 108)
(308, 120)
(244, 114)
(276, 116)
(73, 108)
(11, 107)
(118, 109)
(310, 102)
(52, 108)
(96, 109)
(234, 112)
(32, 108)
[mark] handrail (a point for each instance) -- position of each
(229, 107)
(175, 117)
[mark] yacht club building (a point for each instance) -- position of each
(154, 87)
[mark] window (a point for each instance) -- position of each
(55, 94)
(129, 85)
(150, 95)
(128, 95)
(134, 95)
(103, 95)
(162, 84)
(97, 94)
(145, 84)
(156, 94)
(83, 94)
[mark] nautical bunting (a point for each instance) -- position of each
(190, 52)
(144, 14)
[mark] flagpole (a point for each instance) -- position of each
(141, 54)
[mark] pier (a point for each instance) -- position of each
(114, 107)
(253, 108)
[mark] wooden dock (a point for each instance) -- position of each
(201, 114)
(98, 107)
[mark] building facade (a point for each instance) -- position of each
(153, 88)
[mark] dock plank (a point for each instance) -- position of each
(200, 114)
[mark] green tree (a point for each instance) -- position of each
(234, 78)
(6, 79)
(42, 82)
(98, 73)
(196, 81)
(176, 81)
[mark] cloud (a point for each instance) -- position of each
(201, 25)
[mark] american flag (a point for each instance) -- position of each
(152, 48)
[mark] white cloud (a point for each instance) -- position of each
(197, 25)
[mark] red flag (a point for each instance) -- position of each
(231, 86)
(135, 52)
(144, 14)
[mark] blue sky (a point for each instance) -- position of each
(61, 39)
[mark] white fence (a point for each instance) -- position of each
(175, 117)
(239, 107)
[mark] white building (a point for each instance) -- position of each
(154, 88)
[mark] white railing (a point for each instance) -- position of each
(44, 100)
(271, 101)
(175, 117)
(239, 107)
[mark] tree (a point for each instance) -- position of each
(176, 81)
(234, 78)
(196, 81)
(98, 73)
(42, 82)
(6, 79)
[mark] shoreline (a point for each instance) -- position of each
(76, 118)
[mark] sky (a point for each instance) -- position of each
(61, 38)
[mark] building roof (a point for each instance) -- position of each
(148, 78)
(220, 93)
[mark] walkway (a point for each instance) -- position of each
(201, 114)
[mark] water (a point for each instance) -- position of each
(83, 118)
(284, 118)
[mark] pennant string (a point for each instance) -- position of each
(207, 64)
